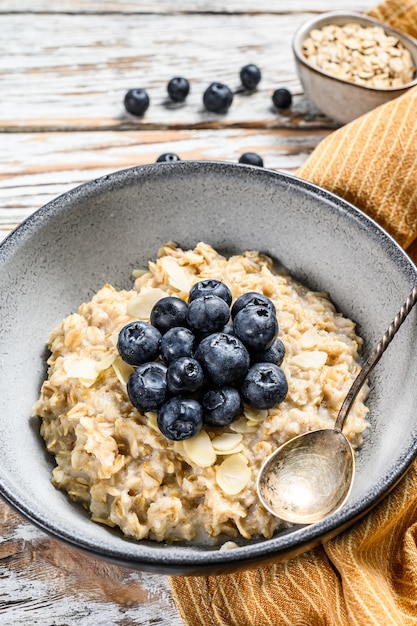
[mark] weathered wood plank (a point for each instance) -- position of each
(71, 72)
(177, 6)
(36, 167)
(46, 582)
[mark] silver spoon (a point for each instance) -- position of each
(311, 476)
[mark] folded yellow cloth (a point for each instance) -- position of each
(368, 574)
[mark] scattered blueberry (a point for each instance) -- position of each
(264, 386)
(282, 98)
(180, 418)
(146, 386)
(138, 342)
(250, 75)
(184, 374)
(223, 357)
(217, 98)
(169, 312)
(207, 314)
(274, 354)
(136, 101)
(256, 327)
(251, 298)
(177, 342)
(168, 157)
(221, 406)
(251, 158)
(210, 286)
(178, 88)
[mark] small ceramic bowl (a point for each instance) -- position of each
(99, 232)
(339, 99)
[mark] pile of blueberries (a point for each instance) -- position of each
(196, 362)
(217, 98)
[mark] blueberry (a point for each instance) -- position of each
(282, 98)
(184, 374)
(138, 342)
(229, 329)
(207, 314)
(251, 158)
(221, 406)
(251, 298)
(177, 342)
(250, 75)
(256, 327)
(264, 386)
(178, 88)
(146, 386)
(274, 354)
(169, 312)
(217, 98)
(210, 286)
(136, 101)
(180, 418)
(168, 157)
(223, 357)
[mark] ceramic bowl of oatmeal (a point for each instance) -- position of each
(349, 63)
(84, 462)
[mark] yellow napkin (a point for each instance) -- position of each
(368, 574)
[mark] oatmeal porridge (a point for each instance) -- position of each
(114, 459)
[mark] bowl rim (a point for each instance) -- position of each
(326, 18)
(186, 559)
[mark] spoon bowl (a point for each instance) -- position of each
(302, 482)
(311, 476)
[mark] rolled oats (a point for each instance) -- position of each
(360, 54)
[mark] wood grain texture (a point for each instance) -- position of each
(48, 164)
(45, 582)
(248, 7)
(71, 72)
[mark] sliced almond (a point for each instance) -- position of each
(140, 306)
(179, 277)
(241, 426)
(152, 420)
(84, 369)
(199, 450)
(255, 416)
(233, 474)
(106, 362)
(310, 338)
(226, 442)
(310, 360)
(122, 369)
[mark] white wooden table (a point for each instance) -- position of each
(64, 68)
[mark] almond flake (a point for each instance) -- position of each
(310, 360)
(84, 369)
(255, 416)
(226, 442)
(122, 369)
(241, 426)
(200, 450)
(152, 420)
(140, 306)
(178, 276)
(106, 362)
(310, 338)
(233, 474)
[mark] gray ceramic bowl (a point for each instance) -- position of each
(99, 232)
(341, 100)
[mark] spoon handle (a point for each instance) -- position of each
(374, 358)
